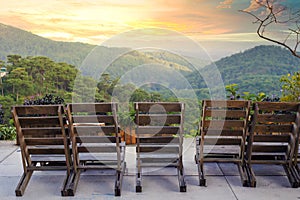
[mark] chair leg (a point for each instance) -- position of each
(296, 174)
(182, 184)
(202, 180)
(118, 184)
(23, 183)
(73, 182)
(297, 169)
(138, 187)
(292, 179)
(64, 190)
(119, 180)
(251, 176)
(197, 155)
(243, 174)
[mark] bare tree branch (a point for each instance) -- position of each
(272, 16)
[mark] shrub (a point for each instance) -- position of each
(291, 87)
(7, 132)
(46, 100)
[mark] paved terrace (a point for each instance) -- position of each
(223, 181)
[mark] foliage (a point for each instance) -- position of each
(7, 132)
(6, 102)
(254, 97)
(1, 115)
(140, 95)
(232, 89)
(291, 87)
(84, 90)
(37, 76)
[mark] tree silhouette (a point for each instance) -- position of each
(272, 14)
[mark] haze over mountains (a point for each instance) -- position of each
(256, 70)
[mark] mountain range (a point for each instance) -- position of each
(255, 70)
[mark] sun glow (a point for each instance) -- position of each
(95, 21)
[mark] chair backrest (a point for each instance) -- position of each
(41, 130)
(159, 129)
(273, 132)
(94, 130)
(224, 124)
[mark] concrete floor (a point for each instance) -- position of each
(223, 181)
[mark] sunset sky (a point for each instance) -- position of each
(94, 21)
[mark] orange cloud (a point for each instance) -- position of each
(225, 4)
(255, 5)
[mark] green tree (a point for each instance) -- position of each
(6, 103)
(13, 60)
(2, 64)
(85, 90)
(20, 81)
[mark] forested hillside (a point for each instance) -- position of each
(255, 70)
(20, 42)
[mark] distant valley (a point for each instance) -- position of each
(255, 70)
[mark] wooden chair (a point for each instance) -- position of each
(296, 159)
(297, 154)
(159, 135)
(223, 130)
(44, 142)
(96, 141)
(272, 140)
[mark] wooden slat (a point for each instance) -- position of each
(42, 131)
(226, 113)
(225, 104)
(94, 130)
(107, 119)
(223, 124)
(263, 118)
(273, 128)
(278, 106)
(271, 138)
(44, 141)
(159, 160)
(161, 165)
(159, 119)
(97, 139)
(222, 141)
(222, 132)
(91, 107)
(48, 158)
(39, 121)
(269, 148)
(171, 156)
(157, 130)
(167, 106)
(97, 149)
(158, 148)
(37, 110)
(99, 156)
(46, 150)
(159, 140)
